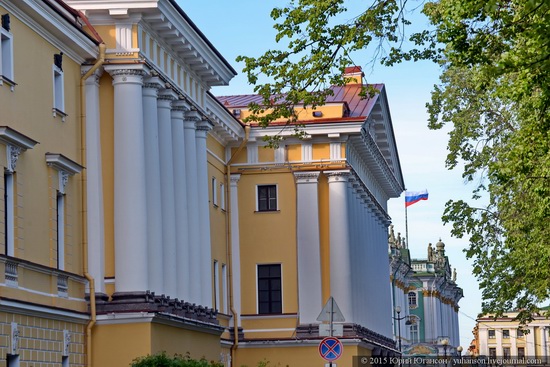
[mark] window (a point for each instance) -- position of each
(9, 214)
(214, 188)
(60, 216)
(58, 87)
(521, 352)
(12, 360)
(492, 352)
(412, 299)
(224, 289)
(506, 334)
(491, 333)
(520, 333)
(267, 198)
(414, 333)
(216, 288)
(269, 289)
(6, 51)
(222, 196)
(506, 352)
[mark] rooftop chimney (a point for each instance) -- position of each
(354, 74)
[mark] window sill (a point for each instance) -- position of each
(266, 211)
(9, 82)
(60, 113)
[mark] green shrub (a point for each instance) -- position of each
(162, 360)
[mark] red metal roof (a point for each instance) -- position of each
(359, 107)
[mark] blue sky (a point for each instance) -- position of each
(243, 27)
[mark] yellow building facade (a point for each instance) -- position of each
(309, 222)
(43, 310)
(503, 337)
(141, 215)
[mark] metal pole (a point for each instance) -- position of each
(399, 330)
(331, 320)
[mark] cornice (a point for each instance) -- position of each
(62, 163)
(14, 137)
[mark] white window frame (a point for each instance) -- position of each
(282, 289)
(58, 92)
(222, 196)
(216, 286)
(258, 198)
(214, 188)
(9, 217)
(224, 289)
(412, 295)
(6, 57)
(60, 209)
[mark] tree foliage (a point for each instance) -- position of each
(494, 92)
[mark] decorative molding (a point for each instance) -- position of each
(63, 180)
(234, 179)
(11, 136)
(336, 176)
(125, 72)
(13, 153)
(14, 340)
(66, 342)
(61, 163)
(307, 177)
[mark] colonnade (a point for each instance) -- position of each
(357, 243)
(161, 221)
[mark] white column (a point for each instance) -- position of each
(180, 195)
(544, 331)
(130, 219)
(310, 296)
(530, 342)
(166, 96)
(340, 272)
(204, 214)
(235, 247)
(152, 182)
(94, 185)
(191, 118)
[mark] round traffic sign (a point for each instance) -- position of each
(331, 348)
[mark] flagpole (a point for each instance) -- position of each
(406, 228)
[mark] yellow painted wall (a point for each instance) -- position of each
(268, 237)
(116, 344)
(218, 228)
(106, 100)
(180, 341)
(28, 109)
(320, 151)
(298, 355)
(266, 154)
(41, 339)
(294, 152)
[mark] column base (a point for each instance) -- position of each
(151, 303)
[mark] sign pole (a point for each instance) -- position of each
(331, 320)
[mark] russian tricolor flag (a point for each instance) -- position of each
(412, 197)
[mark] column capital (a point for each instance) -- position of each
(307, 177)
(94, 78)
(127, 74)
(193, 115)
(234, 179)
(180, 105)
(338, 176)
(153, 83)
(168, 95)
(204, 126)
